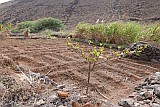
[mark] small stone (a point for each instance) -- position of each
(75, 87)
(157, 74)
(84, 99)
(62, 94)
(139, 98)
(143, 91)
(147, 87)
(154, 82)
(154, 86)
(35, 75)
(147, 80)
(126, 103)
(155, 105)
(25, 98)
(141, 102)
(54, 83)
(157, 100)
(132, 95)
(62, 106)
(136, 104)
(19, 68)
(63, 100)
(144, 84)
(138, 88)
(39, 103)
(105, 103)
(148, 95)
(144, 105)
(61, 86)
(157, 91)
(2, 86)
(147, 101)
(53, 98)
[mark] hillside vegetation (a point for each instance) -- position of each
(71, 12)
(118, 32)
(39, 25)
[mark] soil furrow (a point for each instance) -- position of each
(115, 78)
(136, 65)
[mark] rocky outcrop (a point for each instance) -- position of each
(144, 51)
(147, 94)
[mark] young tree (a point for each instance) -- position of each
(91, 55)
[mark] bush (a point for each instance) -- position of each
(117, 32)
(152, 33)
(40, 25)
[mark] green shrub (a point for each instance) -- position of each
(152, 33)
(40, 25)
(131, 32)
(118, 32)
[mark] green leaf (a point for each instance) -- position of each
(82, 53)
(113, 52)
(81, 49)
(100, 44)
(95, 51)
(91, 53)
(126, 52)
(118, 55)
(92, 59)
(107, 56)
(86, 57)
(69, 44)
(101, 49)
(97, 54)
(145, 46)
(137, 54)
(119, 47)
(140, 48)
(76, 47)
(90, 42)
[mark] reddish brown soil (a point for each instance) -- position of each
(70, 68)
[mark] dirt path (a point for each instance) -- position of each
(115, 79)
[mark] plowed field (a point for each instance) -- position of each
(115, 79)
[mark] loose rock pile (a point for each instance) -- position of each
(144, 51)
(146, 94)
(37, 90)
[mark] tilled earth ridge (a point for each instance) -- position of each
(115, 79)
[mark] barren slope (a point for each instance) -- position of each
(74, 11)
(115, 79)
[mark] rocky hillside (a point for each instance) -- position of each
(74, 11)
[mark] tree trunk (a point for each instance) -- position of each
(89, 75)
